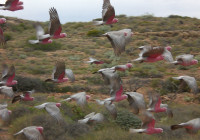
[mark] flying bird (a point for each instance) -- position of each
(153, 54)
(26, 96)
(2, 20)
(92, 117)
(7, 91)
(108, 14)
(148, 125)
(42, 38)
(55, 25)
(136, 102)
(5, 114)
(53, 110)
(8, 76)
(110, 107)
(80, 98)
(188, 80)
(119, 39)
(32, 132)
(59, 71)
(94, 61)
(185, 60)
(12, 5)
(156, 106)
(191, 126)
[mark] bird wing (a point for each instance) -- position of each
(10, 75)
(111, 108)
(148, 120)
(55, 25)
(154, 101)
(128, 36)
(191, 82)
(118, 41)
(108, 11)
(59, 70)
(39, 31)
(167, 55)
(4, 114)
(70, 74)
(3, 106)
(16, 98)
(97, 118)
(8, 91)
(11, 3)
(5, 70)
(54, 111)
(89, 115)
(153, 52)
(80, 98)
(185, 58)
(32, 133)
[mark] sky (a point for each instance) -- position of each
(87, 10)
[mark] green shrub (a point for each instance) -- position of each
(95, 33)
(126, 120)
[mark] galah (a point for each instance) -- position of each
(2, 39)
(5, 114)
(53, 110)
(7, 91)
(153, 54)
(59, 71)
(188, 80)
(156, 106)
(122, 67)
(42, 38)
(94, 61)
(119, 39)
(148, 125)
(80, 98)
(8, 76)
(110, 107)
(92, 117)
(185, 60)
(32, 132)
(26, 96)
(12, 5)
(191, 126)
(55, 25)
(108, 14)
(2, 20)
(136, 102)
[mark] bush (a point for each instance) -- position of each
(95, 33)
(169, 86)
(126, 120)
(25, 84)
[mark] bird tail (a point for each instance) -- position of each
(39, 107)
(2, 4)
(174, 62)
(174, 127)
(99, 102)
(138, 59)
(136, 130)
(98, 22)
(33, 41)
(18, 132)
(68, 100)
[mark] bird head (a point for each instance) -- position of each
(129, 65)
(194, 61)
(58, 104)
(3, 20)
(87, 97)
(168, 48)
(40, 129)
(9, 112)
(63, 35)
(115, 20)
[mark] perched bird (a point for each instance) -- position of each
(185, 60)
(5, 114)
(119, 39)
(53, 110)
(12, 5)
(8, 75)
(2, 20)
(136, 102)
(59, 71)
(80, 98)
(7, 91)
(92, 117)
(148, 125)
(108, 14)
(42, 38)
(187, 80)
(122, 67)
(191, 126)
(153, 54)
(3, 106)
(55, 25)
(26, 96)
(2, 39)
(110, 107)
(156, 106)
(32, 132)
(94, 61)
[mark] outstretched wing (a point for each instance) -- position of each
(108, 12)
(5, 70)
(32, 133)
(54, 111)
(70, 74)
(59, 70)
